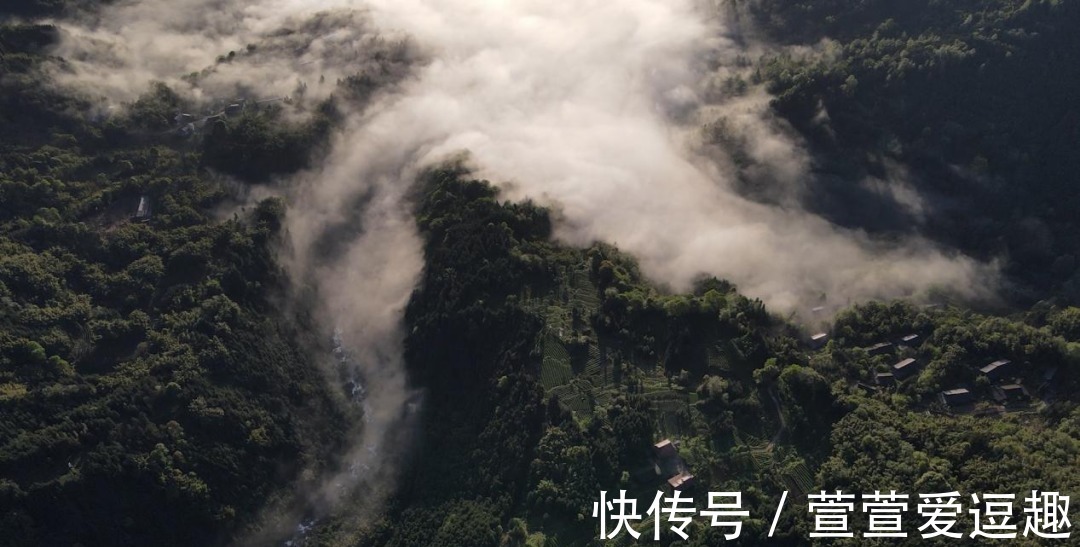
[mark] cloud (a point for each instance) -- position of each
(214, 49)
(572, 104)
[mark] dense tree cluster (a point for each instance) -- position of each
(150, 390)
(503, 464)
(976, 98)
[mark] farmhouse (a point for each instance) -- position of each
(665, 449)
(906, 368)
(885, 379)
(879, 348)
(1010, 393)
(681, 481)
(997, 370)
(956, 397)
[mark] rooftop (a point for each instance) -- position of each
(994, 366)
(906, 362)
(678, 481)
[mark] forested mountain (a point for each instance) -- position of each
(151, 390)
(161, 378)
(590, 367)
(977, 99)
(154, 388)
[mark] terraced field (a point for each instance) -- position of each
(555, 369)
(799, 480)
(591, 383)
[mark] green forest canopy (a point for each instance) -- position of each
(152, 393)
